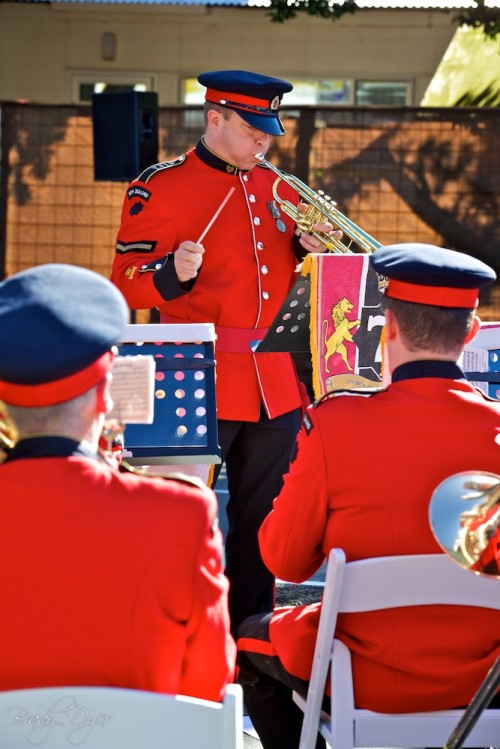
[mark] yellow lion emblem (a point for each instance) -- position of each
(342, 332)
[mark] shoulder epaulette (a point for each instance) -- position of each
(184, 478)
(148, 173)
(363, 393)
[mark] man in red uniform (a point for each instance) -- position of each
(237, 276)
(364, 473)
(108, 578)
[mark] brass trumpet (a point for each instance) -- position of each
(320, 209)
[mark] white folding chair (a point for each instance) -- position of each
(370, 585)
(113, 718)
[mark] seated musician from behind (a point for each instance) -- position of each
(364, 473)
(108, 578)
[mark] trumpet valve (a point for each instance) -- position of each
(305, 221)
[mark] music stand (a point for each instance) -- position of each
(479, 702)
(289, 331)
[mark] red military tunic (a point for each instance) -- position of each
(110, 579)
(248, 268)
(362, 481)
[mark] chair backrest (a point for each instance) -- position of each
(379, 583)
(414, 580)
(114, 718)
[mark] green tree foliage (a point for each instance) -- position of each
(488, 18)
(488, 97)
(283, 10)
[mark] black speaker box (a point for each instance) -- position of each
(125, 126)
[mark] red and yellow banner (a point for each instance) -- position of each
(346, 322)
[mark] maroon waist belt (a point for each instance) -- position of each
(229, 340)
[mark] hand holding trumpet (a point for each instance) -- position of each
(319, 210)
(310, 241)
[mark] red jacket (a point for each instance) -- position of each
(362, 481)
(110, 579)
(248, 269)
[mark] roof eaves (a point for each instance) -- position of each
(362, 4)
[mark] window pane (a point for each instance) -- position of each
(381, 93)
(305, 91)
(83, 87)
(329, 91)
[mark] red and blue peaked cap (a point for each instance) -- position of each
(425, 274)
(256, 98)
(58, 326)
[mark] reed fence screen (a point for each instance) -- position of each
(410, 174)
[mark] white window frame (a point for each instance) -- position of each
(140, 81)
(197, 95)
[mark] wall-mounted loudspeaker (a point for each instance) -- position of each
(125, 126)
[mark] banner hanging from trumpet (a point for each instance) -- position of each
(346, 322)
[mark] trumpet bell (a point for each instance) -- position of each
(320, 208)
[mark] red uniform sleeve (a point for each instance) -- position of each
(146, 235)
(210, 650)
(292, 534)
(181, 642)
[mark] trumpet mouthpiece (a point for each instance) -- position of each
(259, 156)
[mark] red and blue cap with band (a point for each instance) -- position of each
(58, 326)
(426, 274)
(256, 98)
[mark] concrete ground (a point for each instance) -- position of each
(250, 738)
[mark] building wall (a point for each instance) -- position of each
(42, 46)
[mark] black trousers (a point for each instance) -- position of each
(257, 455)
(267, 688)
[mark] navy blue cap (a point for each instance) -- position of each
(256, 98)
(425, 274)
(58, 325)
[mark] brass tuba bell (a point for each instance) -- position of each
(320, 209)
(7, 437)
(464, 515)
